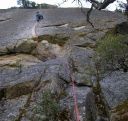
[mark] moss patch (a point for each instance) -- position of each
(102, 110)
(87, 44)
(122, 108)
(82, 34)
(26, 46)
(54, 39)
(19, 89)
(121, 112)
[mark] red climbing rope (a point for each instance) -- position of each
(75, 99)
(72, 80)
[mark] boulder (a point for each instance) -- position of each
(115, 91)
(14, 80)
(114, 88)
(66, 43)
(10, 109)
(22, 46)
(46, 51)
(26, 46)
(81, 58)
(16, 60)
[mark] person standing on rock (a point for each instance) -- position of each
(38, 16)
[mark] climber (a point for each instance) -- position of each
(39, 16)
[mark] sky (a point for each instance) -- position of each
(9, 3)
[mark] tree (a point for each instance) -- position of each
(99, 5)
(122, 6)
(33, 4)
(26, 3)
(96, 4)
(23, 3)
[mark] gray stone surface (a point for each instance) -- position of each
(85, 102)
(9, 109)
(115, 88)
(81, 58)
(20, 83)
(22, 21)
(19, 72)
(14, 80)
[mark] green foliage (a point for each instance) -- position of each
(46, 6)
(113, 51)
(32, 4)
(47, 108)
(26, 3)
(23, 3)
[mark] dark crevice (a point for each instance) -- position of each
(121, 28)
(54, 25)
(100, 103)
(82, 85)
(27, 104)
(2, 93)
(5, 20)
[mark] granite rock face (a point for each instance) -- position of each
(114, 88)
(86, 103)
(115, 92)
(21, 23)
(50, 54)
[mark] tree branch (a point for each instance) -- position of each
(99, 5)
(88, 16)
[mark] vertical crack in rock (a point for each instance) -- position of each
(22, 111)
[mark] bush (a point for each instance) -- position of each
(47, 109)
(113, 52)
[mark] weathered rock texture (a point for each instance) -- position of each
(65, 44)
(115, 91)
